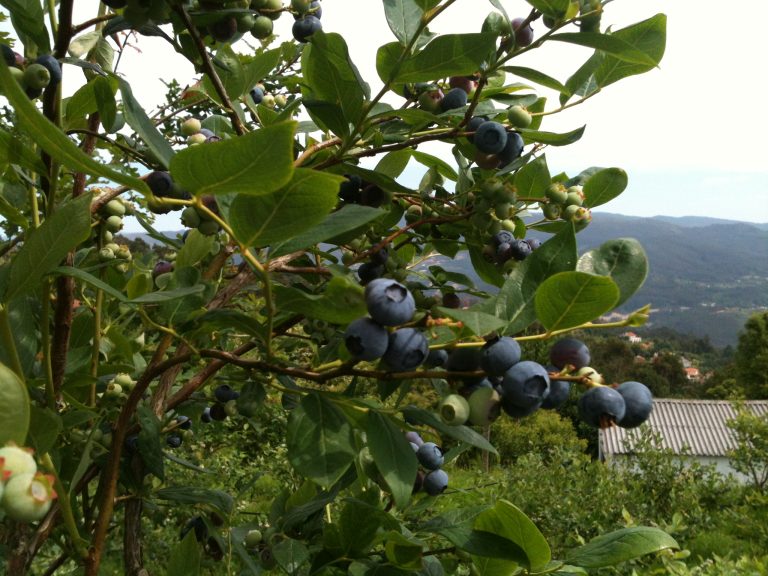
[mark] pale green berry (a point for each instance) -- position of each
(28, 497)
(190, 127)
(15, 460)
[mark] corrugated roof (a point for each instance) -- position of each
(696, 427)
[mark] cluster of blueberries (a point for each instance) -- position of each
(225, 404)
(432, 478)
(566, 203)
(505, 247)
(520, 387)
(33, 76)
(389, 304)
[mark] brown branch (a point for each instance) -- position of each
(92, 22)
(237, 124)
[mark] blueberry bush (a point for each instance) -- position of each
(310, 297)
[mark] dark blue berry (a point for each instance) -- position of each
(512, 149)
(430, 456)
(366, 339)
(407, 350)
(559, 391)
(53, 67)
(499, 355)
(569, 351)
(638, 401)
(601, 406)
(490, 137)
(389, 303)
(454, 98)
(435, 482)
(524, 388)
(304, 27)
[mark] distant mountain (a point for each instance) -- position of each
(706, 277)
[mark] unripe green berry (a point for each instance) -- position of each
(502, 210)
(37, 76)
(231, 408)
(253, 538)
(28, 497)
(208, 227)
(454, 410)
(114, 208)
(190, 126)
(519, 117)
(552, 211)
(196, 139)
(575, 196)
(281, 101)
(106, 254)
(262, 27)
(15, 460)
(556, 192)
(113, 223)
(268, 101)
(508, 225)
(190, 217)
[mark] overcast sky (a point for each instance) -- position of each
(690, 134)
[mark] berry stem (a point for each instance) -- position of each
(65, 506)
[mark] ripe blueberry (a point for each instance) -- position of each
(349, 190)
(518, 250)
(414, 438)
(490, 137)
(503, 237)
(366, 339)
(160, 183)
(569, 351)
(499, 355)
(523, 35)
(53, 66)
(473, 124)
(559, 391)
(512, 149)
(601, 406)
(407, 349)
(524, 388)
(368, 271)
(436, 358)
(430, 456)
(638, 401)
(304, 27)
(173, 440)
(435, 482)
(389, 302)
(224, 393)
(454, 98)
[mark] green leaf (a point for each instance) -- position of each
(51, 139)
(238, 78)
(196, 247)
(290, 554)
(216, 499)
(359, 525)
(164, 296)
(150, 441)
(648, 37)
(446, 55)
(13, 151)
(331, 77)
(507, 520)
(552, 138)
(45, 426)
(623, 260)
(137, 119)
(14, 408)
(185, 556)
(569, 299)
(609, 43)
(393, 455)
(431, 161)
(341, 303)
(582, 82)
(404, 18)
(89, 278)
(538, 77)
(29, 22)
(533, 178)
(604, 186)
(485, 544)
(257, 163)
(515, 302)
(84, 43)
(403, 551)
(555, 8)
(461, 433)
(479, 323)
(351, 217)
(393, 163)
(619, 546)
(47, 245)
(295, 208)
(319, 440)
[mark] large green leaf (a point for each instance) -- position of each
(236, 76)
(14, 407)
(552, 138)
(330, 76)
(623, 260)
(532, 179)
(47, 245)
(508, 521)
(29, 22)
(341, 303)
(319, 440)
(51, 139)
(515, 302)
(536, 76)
(295, 208)
(89, 278)
(137, 119)
(609, 43)
(349, 218)
(13, 151)
(290, 554)
(393, 455)
(44, 428)
(257, 163)
(604, 186)
(446, 55)
(185, 556)
(404, 18)
(568, 299)
(625, 544)
(554, 8)
(648, 37)
(479, 323)
(216, 499)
